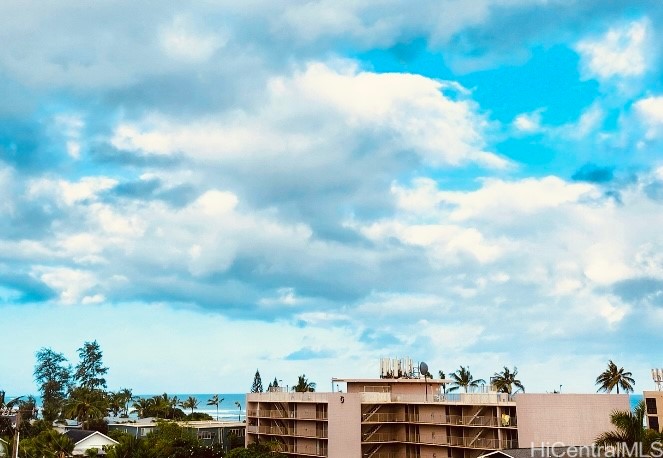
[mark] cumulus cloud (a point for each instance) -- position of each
(620, 52)
(650, 112)
(411, 110)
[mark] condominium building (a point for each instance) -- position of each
(654, 406)
(416, 418)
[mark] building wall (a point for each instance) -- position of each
(572, 419)
(344, 424)
(654, 409)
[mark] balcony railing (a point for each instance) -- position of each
(279, 396)
(276, 430)
(294, 449)
(382, 437)
(458, 420)
(287, 414)
(454, 441)
(453, 398)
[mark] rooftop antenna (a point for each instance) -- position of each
(657, 375)
(423, 369)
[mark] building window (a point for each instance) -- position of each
(204, 435)
(651, 406)
(653, 423)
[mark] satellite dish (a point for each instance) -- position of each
(423, 368)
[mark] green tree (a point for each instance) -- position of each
(141, 406)
(125, 395)
(48, 443)
(215, 401)
(128, 447)
(506, 380)
(85, 404)
(443, 376)
(52, 374)
(170, 440)
(257, 383)
(630, 430)
(90, 370)
(115, 403)
(613, 377)
(189, 403)
(257, 450)
(303, 385)
(462, 378)
(239, 406)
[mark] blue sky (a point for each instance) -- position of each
(305, 187)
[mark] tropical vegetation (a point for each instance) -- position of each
(303, 385)
(462, 378)
(257, 450)
(215, 401)
(614, 377)
(630, 430)
(257, 383)
(506, 381)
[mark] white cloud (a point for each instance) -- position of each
(528, 123)
(72, 284)
(70, 126)
(621, 52)
(181, 39)
(499, 200)
(410, 112)
(650, 112)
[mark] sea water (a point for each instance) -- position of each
(228, 409)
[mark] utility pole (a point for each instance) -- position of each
(16, 434)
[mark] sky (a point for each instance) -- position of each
(303, 187)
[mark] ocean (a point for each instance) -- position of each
(228, 410)
(634, 399)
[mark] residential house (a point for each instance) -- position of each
(85, 440)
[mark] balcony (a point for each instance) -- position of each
(286, 414)
(280, 396)
(455, 420)
(453, 398)
(449, 441)
(275, 430)
(290, 449)
(381, 437)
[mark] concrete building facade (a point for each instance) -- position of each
(415, 418)
(654, 409)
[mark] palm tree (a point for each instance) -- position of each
(52, 443)
(505, 381)
(613, 377)
(239, 406)
(215, 401)
(303, 385)
(141, 405)
(127, 448)
(189, 403)
(630, 430)
(463, 378)
(85, 404)
(115, 403)
(125, 396)
(442, 377)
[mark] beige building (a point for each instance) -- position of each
(654, 406)
(414, 418)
